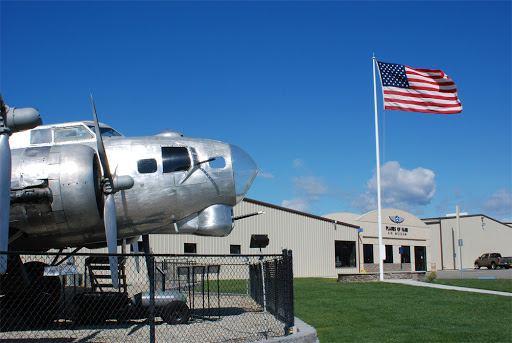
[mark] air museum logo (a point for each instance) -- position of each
(396, 230)
(396, 219)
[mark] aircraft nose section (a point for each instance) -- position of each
(244, 170)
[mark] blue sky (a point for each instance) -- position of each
(289, 82)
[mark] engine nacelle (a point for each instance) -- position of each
(19, 119)
(216, 220)
(72, 175)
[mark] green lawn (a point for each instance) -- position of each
(385, 312)
(501, 285)
(224, 286)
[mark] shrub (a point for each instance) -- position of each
(431, 277)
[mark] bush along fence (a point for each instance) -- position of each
(72, 297)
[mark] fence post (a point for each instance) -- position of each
(150, 264)
(264, 293)
(151, 276)
(288, 290)
(276, 288)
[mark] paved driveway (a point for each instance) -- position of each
(475, 273)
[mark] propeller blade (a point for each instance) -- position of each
(109, 216)
(99, 142)
(5, 199)
(5, 186)
(109, 209)
(135, 248)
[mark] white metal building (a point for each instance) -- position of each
(347, 243)
(479, 233)
(321, 247)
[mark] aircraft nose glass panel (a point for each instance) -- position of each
(244, 169)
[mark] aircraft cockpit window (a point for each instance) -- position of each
(147, 166)
(175, 159)
(71, 133)
(41, 136)
(218, 163)
(106, 131)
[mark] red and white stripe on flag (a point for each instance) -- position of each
(418, 90)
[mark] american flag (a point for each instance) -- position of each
(418, 90)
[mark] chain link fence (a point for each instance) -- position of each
(70, 297)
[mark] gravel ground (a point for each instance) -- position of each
(241, 320)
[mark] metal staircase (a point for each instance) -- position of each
(97, 270)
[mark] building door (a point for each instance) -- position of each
(420, 257)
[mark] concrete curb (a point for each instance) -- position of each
(303, 333)
(452, 288)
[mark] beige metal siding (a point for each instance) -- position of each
(310, 239)
(477, 239)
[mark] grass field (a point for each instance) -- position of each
(501, 285)
(385, 312)
(224, 286)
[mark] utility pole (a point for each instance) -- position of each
(460, 240)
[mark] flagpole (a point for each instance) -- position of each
(379, 212)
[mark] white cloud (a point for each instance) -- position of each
(365, 202)
(400, 188)
(499, 204)
(309, 189)
(265, 175)
(298, 204)
(310, 185)
(298, 163)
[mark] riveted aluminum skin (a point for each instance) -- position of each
(72, 176)
(207, 190)
(216, 220)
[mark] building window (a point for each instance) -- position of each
(345, 253)
(190, 248)
(389, 254)
(406, 254)
(140, 246)
(234, 249)
(368, 253)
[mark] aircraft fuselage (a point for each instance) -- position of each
(185, 184)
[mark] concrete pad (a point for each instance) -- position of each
(303, 333)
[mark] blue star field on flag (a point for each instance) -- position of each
(393, 75)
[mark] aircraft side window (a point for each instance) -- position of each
(147, 166)
(71, 133)
(175, 159)
(41, 136)
(218, 163)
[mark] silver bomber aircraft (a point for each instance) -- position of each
(73, 187)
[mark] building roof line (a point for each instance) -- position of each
(464, 216)
(257, 202)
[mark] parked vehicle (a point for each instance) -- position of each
(97, 307)
(493, 261)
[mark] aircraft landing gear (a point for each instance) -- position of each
(27, 297)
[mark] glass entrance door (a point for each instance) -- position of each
(420, 257)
